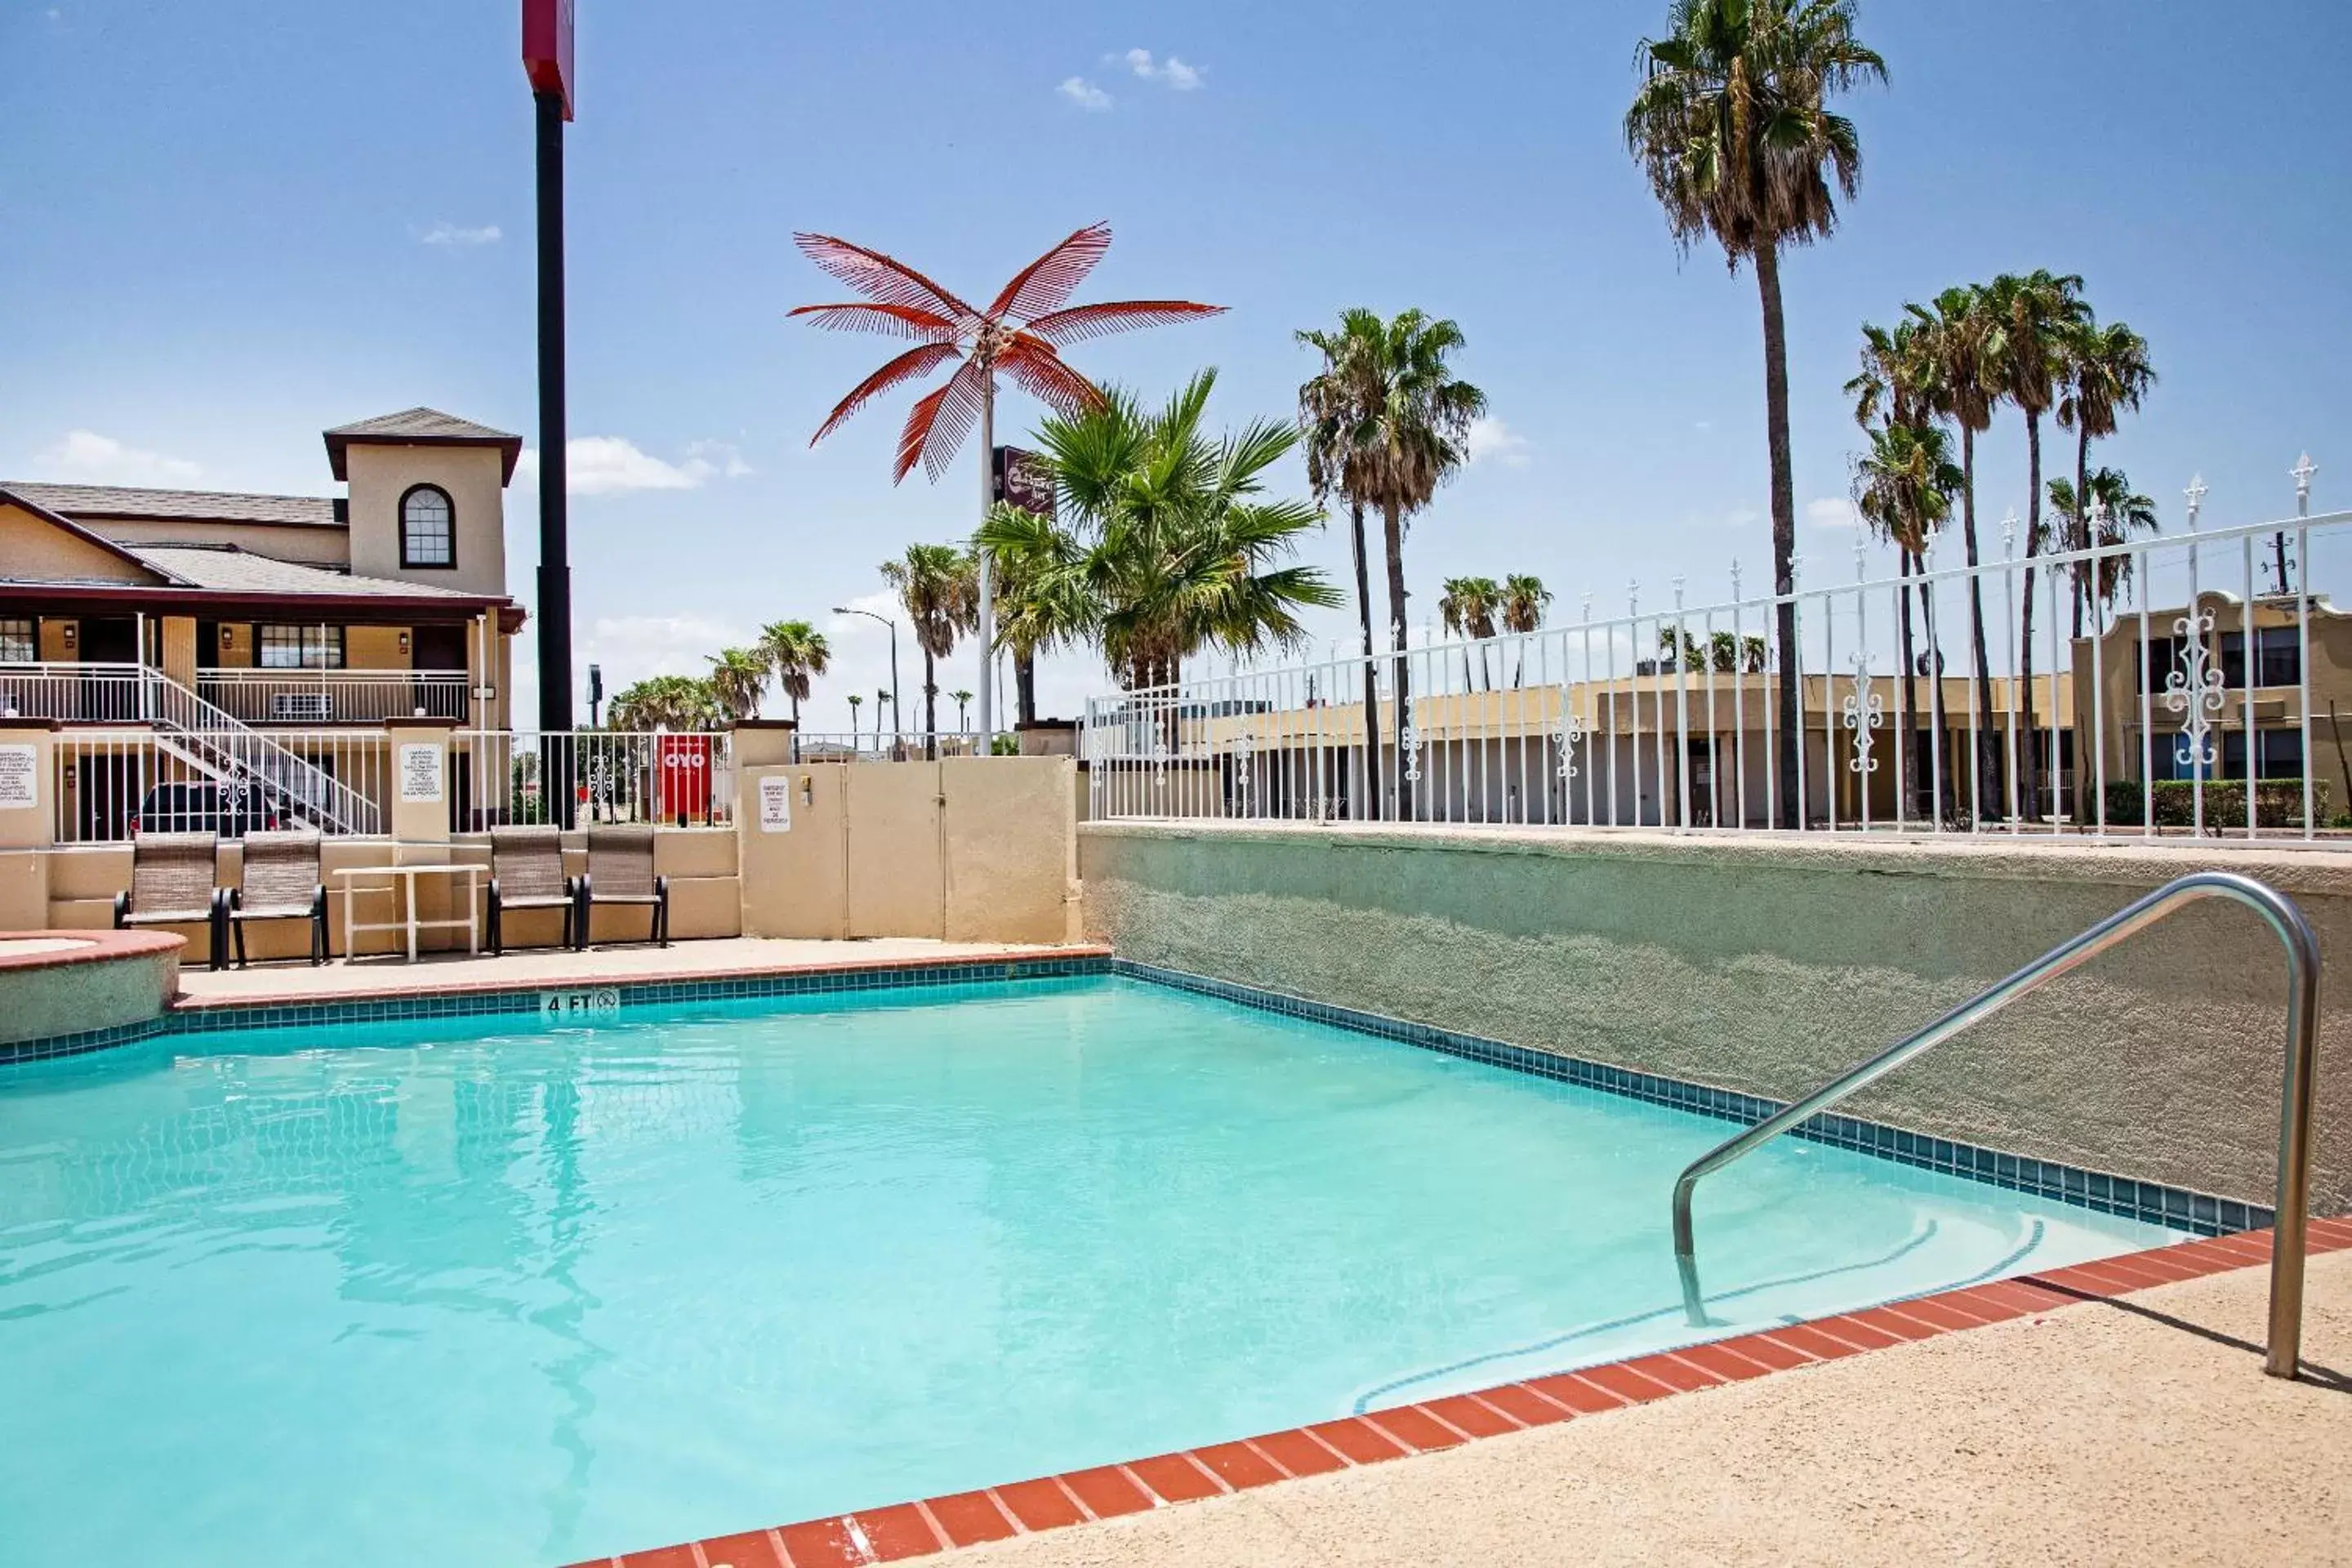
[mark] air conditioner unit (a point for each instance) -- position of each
(302, 707)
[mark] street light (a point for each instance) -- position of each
(869, 614)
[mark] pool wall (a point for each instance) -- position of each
(1766, 966)
(108, 987)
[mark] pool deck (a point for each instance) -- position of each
(2108, 1413)
(442, 974)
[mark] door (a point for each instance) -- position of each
(441, 649)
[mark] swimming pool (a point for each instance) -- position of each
(494, 1290)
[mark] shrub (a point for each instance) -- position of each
(2278, 803)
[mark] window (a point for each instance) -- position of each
(2278, 755)
(428, 535)
(301, 647)
(2277, 657)
(16, 642)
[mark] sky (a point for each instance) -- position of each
(226, 226)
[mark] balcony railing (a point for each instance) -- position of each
(311, 697)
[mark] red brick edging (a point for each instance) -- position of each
(1050, 1502)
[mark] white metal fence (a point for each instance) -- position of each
(2189, 683)
(112, 783)
(576, 777)
(336, 696)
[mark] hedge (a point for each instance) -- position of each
(2278, 803)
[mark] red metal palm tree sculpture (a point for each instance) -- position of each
(1020, 333)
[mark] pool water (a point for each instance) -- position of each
(495, 1291)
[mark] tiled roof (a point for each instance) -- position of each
(185, 505)
(420, 426)
(425, 424)
(227, 568)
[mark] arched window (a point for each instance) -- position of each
(428, 531)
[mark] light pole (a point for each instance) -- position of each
(869, 614)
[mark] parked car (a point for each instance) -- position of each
(231, 810)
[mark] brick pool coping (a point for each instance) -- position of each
(1106, 1491)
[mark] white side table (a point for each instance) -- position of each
(401, 885)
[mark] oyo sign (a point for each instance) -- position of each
(547, 47)
(682, 787)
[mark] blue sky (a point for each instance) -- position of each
(228, 226)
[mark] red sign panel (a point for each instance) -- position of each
(682, 782)
(547, 47)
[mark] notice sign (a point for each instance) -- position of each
(775, 805)
(420, 771)
(20, 778)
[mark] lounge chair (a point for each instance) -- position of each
(281, 882)
(173, 882)
(527, 873)
(620, 871)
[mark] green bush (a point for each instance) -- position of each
(2278, 803)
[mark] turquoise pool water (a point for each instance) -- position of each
(498, 1292)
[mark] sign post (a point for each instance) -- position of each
(547, 61)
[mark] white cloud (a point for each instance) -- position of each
(630, 648)
(1085, 94)
(102, 459)
(1490, 437)
(614, 464)
(455, 236)
(1741, 516)
(1829, 511)
(1178, 76)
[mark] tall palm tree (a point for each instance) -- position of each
(1957, 333)
(1332, 408)
(1902, 489)
(1525, 601)
(939, 587)
(856, 701)
(1021, 334)
(738, 678)
(962, 699)
(1732, 126)
(2036, 313)
(884, 695)
(1168, 546)
(798, 653)
(1468, 608)
(2105, 373)
(2112, 515)
(1401, 427)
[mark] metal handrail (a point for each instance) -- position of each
(2293, 1203)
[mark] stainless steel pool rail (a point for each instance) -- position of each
(2293, 1203)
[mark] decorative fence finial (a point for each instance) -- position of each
(2196, 494)
(2301, 473)
(2009, 534)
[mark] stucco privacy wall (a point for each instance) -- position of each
(1770, 965)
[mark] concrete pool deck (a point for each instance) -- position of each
(2108, 1413)
(441, 975)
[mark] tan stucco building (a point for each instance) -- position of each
(269, 623)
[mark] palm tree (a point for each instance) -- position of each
(1332, 411)
(2116, 512)
(678, 702)
(1525, 601)
(1902, 489)
(1400, 426)
(882, 695)
(1957, 333)
(1038, 606)
(1468, 609)
(1170, 547)
(1020, 333)
(797, 652)
(2037, 313)
(2105, 373)
(738, 678)
(1732, 127)
(939, 587)
(962, 700)
(856, 701)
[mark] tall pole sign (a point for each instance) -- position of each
(547, 61)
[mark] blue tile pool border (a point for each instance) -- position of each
(2201, 1214)
(2198, 1213)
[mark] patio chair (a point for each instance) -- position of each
(173, 883)
(527, 873)
(281, 882)
(620, 871)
